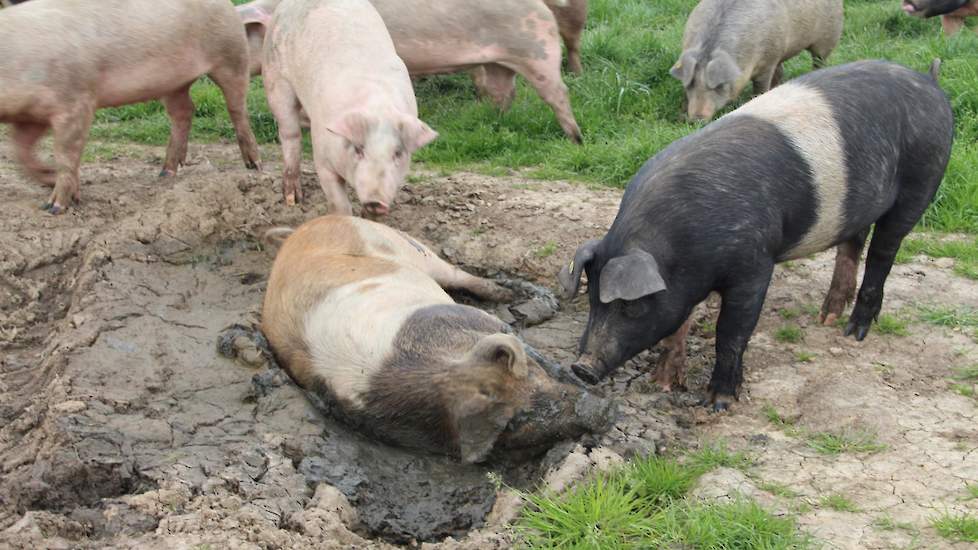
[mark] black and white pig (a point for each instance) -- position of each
(356, 313)
(811, 164)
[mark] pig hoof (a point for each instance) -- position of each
(856, 330)
(164, 173)
(54, 210)
(290, 199)
(829, 319)
(585, 374)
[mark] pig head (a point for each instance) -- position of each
(711, 81)
(631, 307)
(931, 8)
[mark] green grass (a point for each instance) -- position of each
(972, 491)
(964, 252)
(645, 505)
(546, 250)
(718, 456)
(963, 389)
(775, 417)
(955, 318)
(778, 489)
(961, 527)
(839, 503)
(887, 523)
(789, 334)
(626, 103)
(847, 441)
(805, 357)
(968, 374)
(789, 313)
(889, 324)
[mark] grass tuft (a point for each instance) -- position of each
(839, 503)
(718, 456)
(848, 441)
(778, 489)
(972, 491)
(961, 527)
(889, 324)
(805, 357)
(967, 374)
(789, 334)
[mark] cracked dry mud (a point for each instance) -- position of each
(121, 425)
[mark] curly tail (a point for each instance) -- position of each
(277, 235)
(935, 68)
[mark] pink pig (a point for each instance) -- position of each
(60, 60)
(335, 60)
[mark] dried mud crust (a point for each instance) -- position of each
(121, 425)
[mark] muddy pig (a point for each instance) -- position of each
(728, 43)
(952, 12)
(335, 60)
(507, 36)
(356, 313)
(811, 164)
(60, 60)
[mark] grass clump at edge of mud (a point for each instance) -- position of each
(789, 334)
(851, 440)
(959, 319)
(839, 503)
(961, 527)
(892, 325)
(964, 252)
(626, 103)
(645, 505)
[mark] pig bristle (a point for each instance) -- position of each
(277, 235)
(935, 68)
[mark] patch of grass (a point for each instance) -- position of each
(789, 313)
(949, 316)
(718, 456)
(892, 325)
(848, 441)
(644, 505)
(626, 103)
(778, 489)
(839, 503)
(969, 374)
(887, 523)
(963, 389)
(775, 417)
(789, 334)
(804, 357)
(812, 310)
(961, 527)
(972, 491)
(546, 250)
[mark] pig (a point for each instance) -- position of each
(356, 313)
(728, 43)
(335, 60)
(952, 12)
(809, 165)
(60, 60)
(507, 36)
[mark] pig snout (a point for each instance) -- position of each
(589, 368)
(377, 208)
(909, 7)
(700, 111)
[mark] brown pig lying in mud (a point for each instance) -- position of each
(335, 60)
(508, 37)
(952, 12)
(60, 60)
(355, 311)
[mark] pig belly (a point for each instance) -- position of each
(426, 59)
(150, 78)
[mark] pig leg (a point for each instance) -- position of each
(951, 24)
(331, 182)
(284, 105)
(762, 82)
(843, 288)
(234, 86)
(544, 76)
(739, 312)
(449, 276)
(670, 371)
(70, 129)
(497, 83)
(887, 237)
(571, 34)
(25, 137)
(778, 75)
(180, 108)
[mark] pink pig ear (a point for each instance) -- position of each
(353, 125)
(415, 134)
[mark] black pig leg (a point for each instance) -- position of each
(739, 312)
(889, 234)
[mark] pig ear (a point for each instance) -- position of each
(721, 70)
(630, 277)
(570, 274)
(415, 134)
(478, 423)
(353, 126)
(504, 350)
(685, 67)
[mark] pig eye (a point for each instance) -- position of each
(398, 154)
(634, 309)
(358, 150)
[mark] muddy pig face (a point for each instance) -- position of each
(377, 152)
(710, 82)
(930, 8)
(631, 309)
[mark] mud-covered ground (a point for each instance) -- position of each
(122, 426)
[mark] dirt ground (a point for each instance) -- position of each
(122, 426)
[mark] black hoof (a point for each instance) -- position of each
(47, 206)
(856, 330)
(585, 373)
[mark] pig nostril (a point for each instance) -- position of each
(377, 208)
(585, 373)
